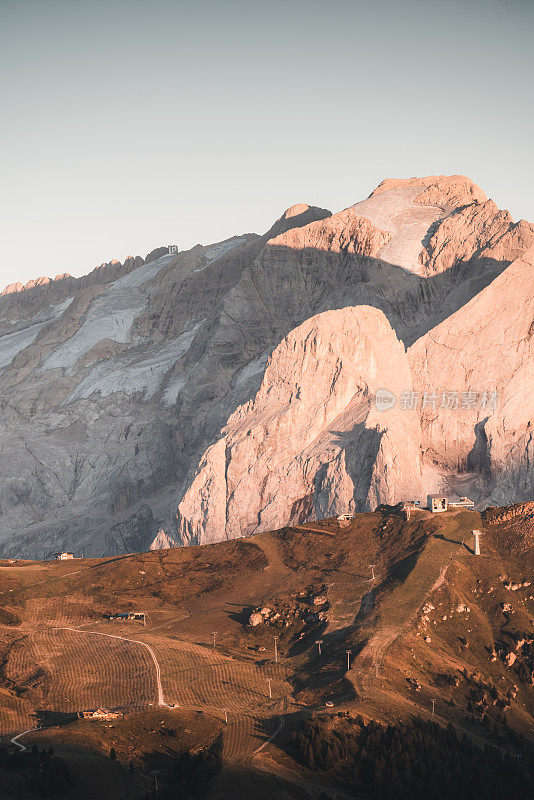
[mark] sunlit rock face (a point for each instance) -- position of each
(311, 442)
(486, 347)
(230, 388)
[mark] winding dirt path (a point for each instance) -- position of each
(15, 739)
(250, 717)
(161, 698)
(401, 608)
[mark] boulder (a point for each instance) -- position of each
(320, 600)
(510, 659)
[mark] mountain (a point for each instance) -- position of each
(229, 389)
(310, 443)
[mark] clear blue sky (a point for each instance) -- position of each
(127, 124)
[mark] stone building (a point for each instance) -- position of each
(437, 503)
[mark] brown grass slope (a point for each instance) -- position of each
(437, 624)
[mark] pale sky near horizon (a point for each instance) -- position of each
(129, 124)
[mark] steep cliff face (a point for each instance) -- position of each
(475, 231)
(310, 443)
(124, 395)
(482, 359)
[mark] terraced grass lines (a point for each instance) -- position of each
(200, 677)
(84, 671)
(24, 668)
(15, 715)
(72, 610)
(238, 737)
(244, 735)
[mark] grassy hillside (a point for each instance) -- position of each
(438, 633)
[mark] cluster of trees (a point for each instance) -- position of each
(192, 773)
(411, 759)
(45, 774)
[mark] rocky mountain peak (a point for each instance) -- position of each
(14, 288)
(297, 216)
(228, 388)
(441, 190)
(296, 210)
